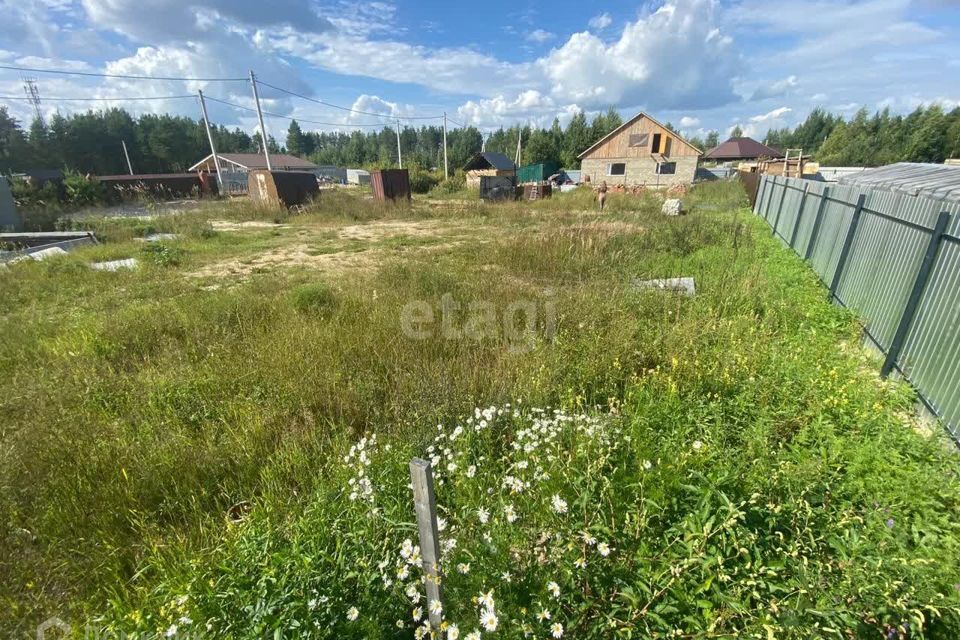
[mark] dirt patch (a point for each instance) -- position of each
(383, 230)
(225, 225)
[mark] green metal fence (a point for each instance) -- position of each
(895, 259)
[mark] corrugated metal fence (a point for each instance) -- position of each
(892, 257)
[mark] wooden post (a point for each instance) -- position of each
(421, 477)
(929, 257)
(811, 243)
(847, 244)
(796, 224)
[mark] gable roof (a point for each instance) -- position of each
(489, 160)
(743, 147)
(279, 161)
(629, 122)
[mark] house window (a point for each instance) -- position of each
(666, 168)
(617, 169)
(639, 139)
(656, 143)
(667, 143)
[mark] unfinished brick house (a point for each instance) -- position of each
(640, 152)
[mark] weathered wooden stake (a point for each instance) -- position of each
(421, 477)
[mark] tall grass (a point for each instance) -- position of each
(139, 409)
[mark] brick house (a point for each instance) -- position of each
(640, 152)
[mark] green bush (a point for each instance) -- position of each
(423, 181)
(81, 191)
(316, 297)
(454, 184)
(163, 254)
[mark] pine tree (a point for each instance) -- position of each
(295, 139)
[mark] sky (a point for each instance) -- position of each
(700, 64)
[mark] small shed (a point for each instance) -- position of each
(537, 172)
(488, 163)
(390, 184)
(282, 188)
(358, 176)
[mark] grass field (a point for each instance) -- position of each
(188, 447)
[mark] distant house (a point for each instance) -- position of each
(246, 162)
(740, 150)
(358, 176)
(640, 152)
(488, 163)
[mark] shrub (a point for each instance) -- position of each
(454, 184)
(81, 191)
(316, 297)
(162, 254)
(422, 181)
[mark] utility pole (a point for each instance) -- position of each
(263, 129)
(213, 149)
(33, 95)
(516, 160)
(399, 154)
(446, 170)
(127, 156)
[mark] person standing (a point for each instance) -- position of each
(602, 195)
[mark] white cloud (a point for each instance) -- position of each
(528, 105)
(688, 121)
(776, 114)
(600, 22)
(776, 89)
(539, 35)
(675, 57)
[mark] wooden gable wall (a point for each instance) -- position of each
(618, 146)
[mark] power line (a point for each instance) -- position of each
(123, 99)
(277, 115)
(90, 74)
(336, 106)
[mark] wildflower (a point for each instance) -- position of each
(506, 576)
(483, 515)
(453, 632)
(417, 613)
(588, 538)
(603, 549)
(172, 631)
(489, 620)
(399, 624)
(473, 635)
(352, 614)
(413, 593)
(403, 572)
(406, 548)
(441, 524)
(510, 513)
(697, 445)
(556, 630)
(471, 471)
(451, 467)
(559, 504)
(312, 603)
(184, 620)
(554, 589)
(647, 465)
(486, 599)
(463, 568)
(580, 563)
(890, 523)
(436, 608)
(543, 615)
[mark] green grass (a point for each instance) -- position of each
(139, 407)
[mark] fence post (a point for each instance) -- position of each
(783, 197)
(914, 300)
(763, 190)
(847, 243)
(796, 224)
(824, 197)
(425, 503)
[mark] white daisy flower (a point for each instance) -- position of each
(417, 613)
(463, 568)
(554, 589)
(647, 465)
(436, 608)
(473, 635)
(353, 613)
(453, 632)
(486, 599)
(489, 620)
(603, 549)
(471, 471)
(543, 615)
(510, 513)
(556, 630)
(559, 504)
(483, 515)
(580, 563)
(697, 445)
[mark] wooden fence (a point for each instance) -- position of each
(894, 258)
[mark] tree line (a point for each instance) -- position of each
(928, 134)
(92, 142)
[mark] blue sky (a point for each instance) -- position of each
(700, 64)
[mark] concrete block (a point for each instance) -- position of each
(685, 286)
(114, 265)
(672, 207)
